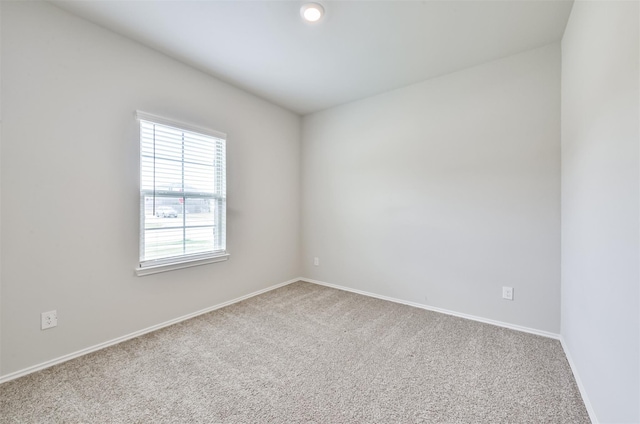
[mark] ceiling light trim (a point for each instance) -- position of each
(312, 12)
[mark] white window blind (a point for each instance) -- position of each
(182, 194)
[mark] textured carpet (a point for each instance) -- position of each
(306, 353)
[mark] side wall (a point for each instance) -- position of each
(0, 190)
(600, 205)
(442, 192)
(70, 180)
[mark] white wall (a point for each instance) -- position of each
(0, 190)
(600, 204)
(69, 174)
(442, 192)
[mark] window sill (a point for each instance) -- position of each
(154, 269)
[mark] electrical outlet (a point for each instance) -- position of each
(507, 293)
(48, 319)
(316, 261)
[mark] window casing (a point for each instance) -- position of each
(182, 195)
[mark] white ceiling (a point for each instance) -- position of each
(359, 49)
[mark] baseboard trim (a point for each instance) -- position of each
(440, 310)
(82, 352)
(581, 388)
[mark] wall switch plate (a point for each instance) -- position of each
(48, 319)
(507, 293)
(316, 261)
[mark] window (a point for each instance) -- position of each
(182, 195)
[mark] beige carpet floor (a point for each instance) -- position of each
(306, 353)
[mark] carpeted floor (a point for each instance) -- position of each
(307, 353)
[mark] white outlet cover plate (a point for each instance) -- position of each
(507, 293)
(48, 319)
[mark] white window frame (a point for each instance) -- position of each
(153, 266)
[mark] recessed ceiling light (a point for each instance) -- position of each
(312, 12)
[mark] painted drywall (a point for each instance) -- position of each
(0, 190)
(600, 205)
(69, 174)
(442, 192)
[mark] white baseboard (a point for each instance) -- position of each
(82, 352)
(576, 375)
(440, 310)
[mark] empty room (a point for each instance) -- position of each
(328, 211)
